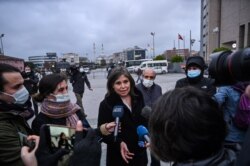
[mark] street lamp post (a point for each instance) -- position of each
(2, 52)
(153, 34)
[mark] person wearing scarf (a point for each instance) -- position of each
(56, 107)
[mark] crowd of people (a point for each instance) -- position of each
(193, 124)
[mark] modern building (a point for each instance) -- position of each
(72, 58)
(118, 57)
(134, 53)
(224, 23)
(40, 61)
(181, 52)
(13, 61)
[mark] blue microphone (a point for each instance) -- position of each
(117, 114)
(143, 133)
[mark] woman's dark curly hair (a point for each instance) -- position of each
(186, 124)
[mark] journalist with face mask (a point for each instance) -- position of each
(195, 67)
(56, 107)
(15, 107)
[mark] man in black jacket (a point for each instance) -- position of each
(195, 67)
(78, 79)
(30, 82)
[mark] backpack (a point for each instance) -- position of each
(242, 115)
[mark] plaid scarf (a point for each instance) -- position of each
(57, 110)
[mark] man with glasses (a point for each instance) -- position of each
(194, 70)
(151, 92)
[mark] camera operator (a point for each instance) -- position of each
(229, 69)
(228, 98)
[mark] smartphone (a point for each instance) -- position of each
(25, 142)
(61, 137)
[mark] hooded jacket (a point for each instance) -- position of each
(200, 82)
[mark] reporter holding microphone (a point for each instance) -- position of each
(123, 103)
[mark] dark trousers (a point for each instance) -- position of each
(154, 161)
(79, 102)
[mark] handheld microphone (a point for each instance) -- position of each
(146, 111)
(143, 133)
(117, 114)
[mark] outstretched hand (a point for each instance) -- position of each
(87, 151)
(126, 155)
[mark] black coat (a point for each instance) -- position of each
(225, 157)
(205, 84)
(31, 84)
(129, 123)
(151, 94)
(78, 80)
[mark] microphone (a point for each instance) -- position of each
(143, 133)
(117, 114)
(145, 112)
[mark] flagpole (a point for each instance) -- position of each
(183, 42)
(178, 44)
(190, 51)
(174, 43)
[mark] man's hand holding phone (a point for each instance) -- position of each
(28, 154)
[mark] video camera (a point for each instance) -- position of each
(228, 67)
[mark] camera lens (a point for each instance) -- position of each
(228, 67)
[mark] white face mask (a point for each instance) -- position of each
(147, 83)
(21, 96)
(81, 70)
(62, 97)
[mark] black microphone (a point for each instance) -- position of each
(117, 114)
(146, 111)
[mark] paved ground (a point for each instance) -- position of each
(91, 99)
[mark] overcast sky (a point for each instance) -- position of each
(34, 27)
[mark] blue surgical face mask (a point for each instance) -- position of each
(21, 96)
(62, 97)
(193, 73)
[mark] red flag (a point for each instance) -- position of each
(180, 37)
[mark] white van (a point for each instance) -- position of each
(160, 66)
